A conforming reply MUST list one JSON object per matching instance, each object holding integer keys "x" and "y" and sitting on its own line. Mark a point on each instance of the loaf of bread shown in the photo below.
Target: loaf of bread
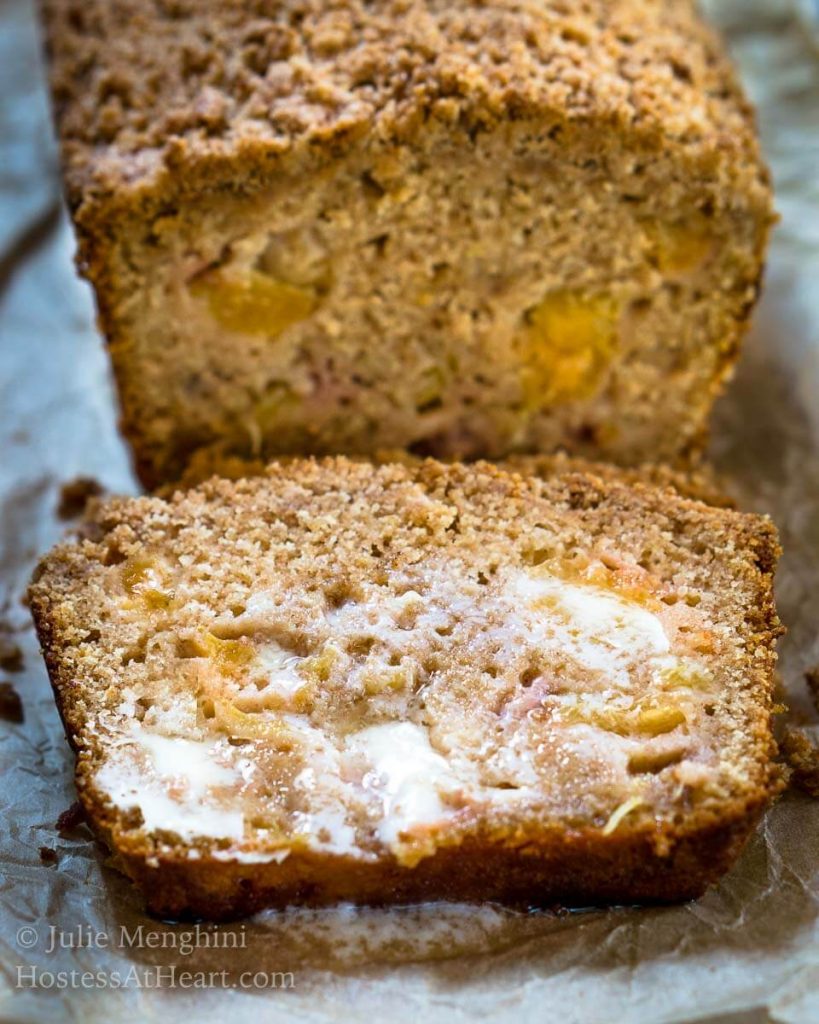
{"x": 336, "y": 681}
{"x": 462, "y": 229}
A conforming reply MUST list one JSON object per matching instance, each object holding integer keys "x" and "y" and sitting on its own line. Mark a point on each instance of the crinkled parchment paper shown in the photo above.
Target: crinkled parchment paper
{"x": 748, "y": 951}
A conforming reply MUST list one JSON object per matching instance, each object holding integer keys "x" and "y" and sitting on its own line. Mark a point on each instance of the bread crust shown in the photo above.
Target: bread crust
{"x": 548, "y": 869}
{"x": 536, "y": 864}
{"x": 145, "y": 91}
{"x": 698, "y": 481}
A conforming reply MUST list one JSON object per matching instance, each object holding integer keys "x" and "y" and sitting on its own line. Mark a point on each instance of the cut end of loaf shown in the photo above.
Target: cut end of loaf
{"x": 303, "y": 245}
{"x": 337, "y": 681}
{"x": 535, "y": 288}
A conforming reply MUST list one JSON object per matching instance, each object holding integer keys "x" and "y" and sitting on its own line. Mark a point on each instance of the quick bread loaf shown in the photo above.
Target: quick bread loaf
{"x": 463, "y": 229}
{"x": 335, "y": 681}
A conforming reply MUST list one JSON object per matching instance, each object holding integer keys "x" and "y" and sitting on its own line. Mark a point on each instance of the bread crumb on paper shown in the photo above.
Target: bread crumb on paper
{"x": 11, "y": 707}
{"x": 71, "y": 819}
{"x": 11, "y": 655}
{"x": 75, "y": 495}
{"x": 802, "y": 757}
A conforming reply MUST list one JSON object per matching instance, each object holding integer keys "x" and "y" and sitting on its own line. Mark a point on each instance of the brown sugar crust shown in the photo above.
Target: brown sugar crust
{"x": 346, "y": 526}
{"x": 698, "y": 481}
{"x": 190, "y": 87}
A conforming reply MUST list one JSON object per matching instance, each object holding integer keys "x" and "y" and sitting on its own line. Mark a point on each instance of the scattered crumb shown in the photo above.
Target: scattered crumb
{"x": 812, "y": 679}
{"x": 71, "y": 819}
{"x": 780, "y": 690}
{"x": 48, "y": 856}
{"x": 11, "y": 707}
{"x": 803, "y": 759}
{"x": 11, "y": 657}
{"x": 75, "y": 495}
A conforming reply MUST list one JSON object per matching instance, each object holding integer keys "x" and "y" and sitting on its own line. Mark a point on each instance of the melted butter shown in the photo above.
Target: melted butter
{"x": 326, "y": 828}
{"x": 280, "y": 666}
{"x": 387, "y": 778}
{"x": 599, "y": 629}
{"x": 406, "y": 774}
{"x": 596, "y": 615}
{"x": 190, "y": 761}
{"x": 173, "y": 790}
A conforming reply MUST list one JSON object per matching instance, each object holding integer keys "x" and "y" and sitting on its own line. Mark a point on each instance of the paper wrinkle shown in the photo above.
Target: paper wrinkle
{"x": 749, "y": 950}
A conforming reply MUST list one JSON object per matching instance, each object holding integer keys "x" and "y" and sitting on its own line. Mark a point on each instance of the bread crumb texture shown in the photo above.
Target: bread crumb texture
{"x": 340, "y": 681}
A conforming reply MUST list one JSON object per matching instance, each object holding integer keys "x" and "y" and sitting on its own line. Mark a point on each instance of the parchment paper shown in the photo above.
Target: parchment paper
{"x": 747, "y": 952}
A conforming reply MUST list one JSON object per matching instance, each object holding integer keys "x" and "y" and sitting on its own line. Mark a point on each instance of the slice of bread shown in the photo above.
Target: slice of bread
{"x": 465, "y": 229}
{"x": 339, "y": 681}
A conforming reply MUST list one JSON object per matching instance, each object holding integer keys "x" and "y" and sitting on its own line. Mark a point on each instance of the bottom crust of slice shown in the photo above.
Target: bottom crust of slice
{"x": 558, "y": 869}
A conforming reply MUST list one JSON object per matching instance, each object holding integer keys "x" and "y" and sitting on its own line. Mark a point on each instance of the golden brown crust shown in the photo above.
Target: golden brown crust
{"x": 564, "y": 868}
{"x": 150, "y": 93}
{"x": 649, "y": 860}
{"x": 698, "y": 481}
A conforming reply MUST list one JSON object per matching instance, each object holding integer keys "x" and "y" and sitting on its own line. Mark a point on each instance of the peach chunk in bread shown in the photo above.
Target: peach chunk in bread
{"x": 339, "y": 681}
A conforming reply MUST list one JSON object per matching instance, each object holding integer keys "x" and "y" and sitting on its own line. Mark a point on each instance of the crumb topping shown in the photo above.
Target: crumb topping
{"x": 144, "y": 86}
